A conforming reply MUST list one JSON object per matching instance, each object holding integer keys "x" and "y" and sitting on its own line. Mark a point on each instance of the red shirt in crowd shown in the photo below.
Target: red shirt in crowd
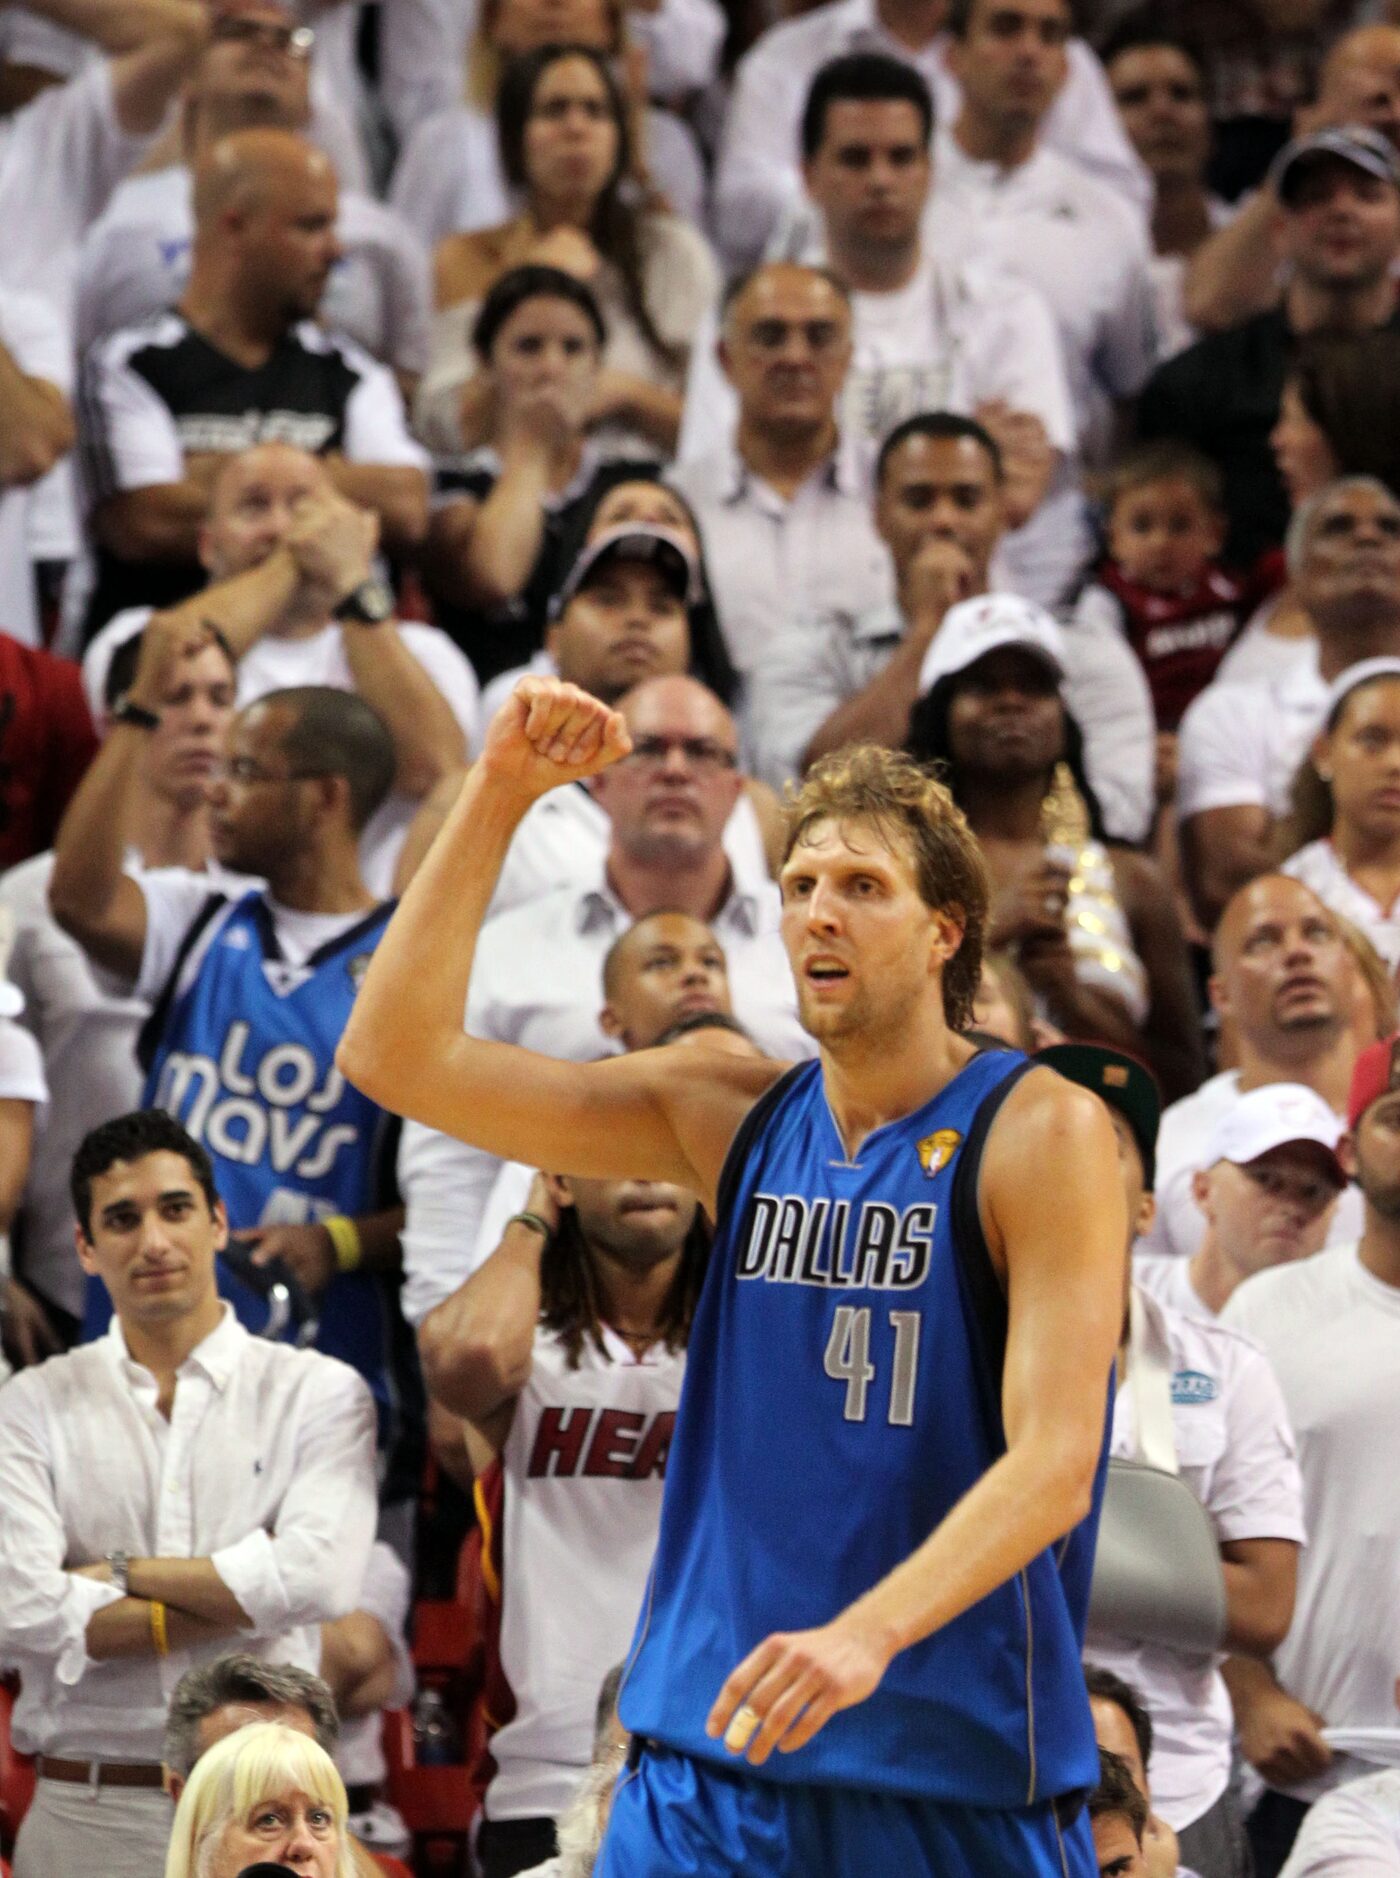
{"x": 47, "y": 740}
{"x": 1180, "y": 639}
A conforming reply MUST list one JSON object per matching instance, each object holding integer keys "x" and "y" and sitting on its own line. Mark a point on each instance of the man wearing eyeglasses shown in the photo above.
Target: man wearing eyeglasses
{"x": 785, "y": 518}
{"x": 538, "y": 977}
{"x": 255, "y": 72}
{"x": 250, "y": 991}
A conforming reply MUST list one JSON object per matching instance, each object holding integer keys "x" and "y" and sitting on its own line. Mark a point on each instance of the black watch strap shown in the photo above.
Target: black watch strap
{"x": 369, "y": 604}
{"x": 126, "y": 711}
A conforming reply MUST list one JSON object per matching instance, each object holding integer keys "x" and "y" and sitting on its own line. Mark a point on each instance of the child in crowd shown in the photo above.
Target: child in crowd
{"x": 1162, "y": 583}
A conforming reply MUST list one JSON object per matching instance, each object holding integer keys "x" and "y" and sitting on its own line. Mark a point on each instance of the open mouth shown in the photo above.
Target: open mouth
{"x": 825, "y": 972}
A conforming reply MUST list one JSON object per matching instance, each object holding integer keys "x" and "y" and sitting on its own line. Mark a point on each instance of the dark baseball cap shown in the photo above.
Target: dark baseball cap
{"x": 1364, "y": 149}
{"x": 660, "y": 548}
{"x": 1119, "y": 1080}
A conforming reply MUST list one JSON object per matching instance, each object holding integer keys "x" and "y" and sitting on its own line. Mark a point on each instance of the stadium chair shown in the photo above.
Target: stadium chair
{"x": 436, "y": 1803}
{"x": 393, "y": 1867}
{"x": 16, "y": 1773}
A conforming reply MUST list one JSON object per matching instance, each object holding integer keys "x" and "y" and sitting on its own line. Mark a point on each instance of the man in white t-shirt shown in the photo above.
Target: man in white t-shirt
{"x": 285, "y": 554}
{"x": 1200, "y": 1401}
{"x": 86, "y": 1025}
{"x": 1352, "y": 1832}
{"x": 136, "y": 259}
{"x": 929, "y": 333}
{"x": 758, "y": 180}
{"x": 1241, "y": 744}
{"x": 1267, "y": 1188}
{"x": 1330, "y": 1326}
{"x": 1284, "y": 982}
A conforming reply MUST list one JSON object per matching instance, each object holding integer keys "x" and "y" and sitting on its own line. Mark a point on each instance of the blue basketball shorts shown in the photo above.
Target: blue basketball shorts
{"x": 676, "y": 1817}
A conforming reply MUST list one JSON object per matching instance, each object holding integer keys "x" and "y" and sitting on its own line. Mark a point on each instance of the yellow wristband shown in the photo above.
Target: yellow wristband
{"x": 158, "y": 1632}
{"x": 345, "y": 1237}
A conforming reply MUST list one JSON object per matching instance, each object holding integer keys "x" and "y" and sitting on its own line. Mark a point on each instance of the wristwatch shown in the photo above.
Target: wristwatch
{"x": 127, "y": 711}
{"x": 369, "y": 604}
{"x": 120, "y": 1564}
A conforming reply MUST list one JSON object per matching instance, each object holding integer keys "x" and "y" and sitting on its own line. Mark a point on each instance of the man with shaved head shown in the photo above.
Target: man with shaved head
{"x": 283, "y": 550}
{"x": 786, "y": 524}
{"x": 239, "y": 361}
{"x": 539, "y": 973}
{"x": 1284, "y": 984}
{"x": 255, "y": 72}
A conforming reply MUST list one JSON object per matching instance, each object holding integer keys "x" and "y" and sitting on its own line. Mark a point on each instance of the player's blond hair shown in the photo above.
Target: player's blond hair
{"x": 911, "y": 810}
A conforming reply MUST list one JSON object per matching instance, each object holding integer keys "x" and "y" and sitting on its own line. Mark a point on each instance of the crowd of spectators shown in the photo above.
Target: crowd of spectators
{"x": 1012, "y": 382}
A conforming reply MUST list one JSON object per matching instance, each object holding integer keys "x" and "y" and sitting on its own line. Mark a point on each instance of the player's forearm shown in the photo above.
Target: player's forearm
{"x": 428, "y": 740}
{"x": 1036, "y": 1493}
{"x": 416, "y": 986}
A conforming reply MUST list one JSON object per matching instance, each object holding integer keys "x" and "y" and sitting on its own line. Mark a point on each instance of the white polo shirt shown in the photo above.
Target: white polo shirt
{"x": 275, "y": 664}
{"x": 759, "y": 178}
{"x": 1187, "y": 1126}
{"x": 1241, "y": 744}
{"x": 1332, "y": 1333}
{"x": 1236, "y": 1453}
{"x": 135, "y": 261}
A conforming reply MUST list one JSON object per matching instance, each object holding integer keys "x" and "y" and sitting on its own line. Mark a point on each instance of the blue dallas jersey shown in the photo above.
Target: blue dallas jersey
{"x": 842, "y": 1393}
{"x": 241, "y": 1050}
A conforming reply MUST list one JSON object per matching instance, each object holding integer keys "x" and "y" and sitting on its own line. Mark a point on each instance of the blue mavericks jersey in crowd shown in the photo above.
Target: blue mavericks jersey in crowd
{"x": 842, "y": 1393}
{"x": 243, "y": 1054}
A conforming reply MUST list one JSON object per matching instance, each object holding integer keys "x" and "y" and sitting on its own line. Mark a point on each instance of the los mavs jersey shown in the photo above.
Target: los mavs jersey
{"x": 240, "y": 1048}
{"x": 843, "y": 1392}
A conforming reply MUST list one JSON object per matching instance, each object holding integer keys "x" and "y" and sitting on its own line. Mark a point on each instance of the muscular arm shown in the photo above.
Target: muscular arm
{"x": 1222, "y": 849}
{"x": 428, "y": 741}
{"x": 36, "y": 426}
{"x": 650, "y": 1119}
{"x": 1261, "y": 1577}
{"x": 1060, "y": 1243}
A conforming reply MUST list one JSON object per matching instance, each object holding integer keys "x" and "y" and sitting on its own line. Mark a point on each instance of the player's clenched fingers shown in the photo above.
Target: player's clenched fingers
{"x": 811, "y": 1721}
{"x": 781, "y": 1713}
{"x": 737, "y": 1685}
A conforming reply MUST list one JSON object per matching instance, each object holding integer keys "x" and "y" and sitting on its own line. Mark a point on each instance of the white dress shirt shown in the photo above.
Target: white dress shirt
{"x": 1241, "y": 744}
{"x": 273, "y": 663}
{"x": 1187, "y": 1126}
{"x": 821, "y": 662}
{"x": 1235, "y": 1451}
{"x": 759, "y": 175}
{"x": 537, "y": 981}
{"x": 265, "y": 1467}
{"x": 777, "y": 560}
{"x": 135, "y": 261}
{"x": 1332, "y": 1333}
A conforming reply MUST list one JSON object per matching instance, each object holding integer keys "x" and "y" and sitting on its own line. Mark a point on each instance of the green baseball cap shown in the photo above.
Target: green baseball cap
{"x": 1122, "y": 1082}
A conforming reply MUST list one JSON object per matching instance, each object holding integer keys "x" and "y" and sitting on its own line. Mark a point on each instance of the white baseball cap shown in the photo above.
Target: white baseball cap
{"x": 973, "y": 628}
{"x": 1273, "y": 1117}
{"x": 1361, "y": 673}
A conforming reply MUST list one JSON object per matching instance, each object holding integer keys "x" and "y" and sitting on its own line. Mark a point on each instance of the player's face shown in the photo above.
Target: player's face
{"x": 153, "y": 1238}
{"x": 870, "y": 174}
{"x": 1272, "y": 1210}
{"x": 940, "y": 489}
{"x": 1161, "y": 100}
{"x": 1376, "y": 1151}
{"x": 196, "y": 708}
{"x": 254, "y": 504}
{"x": 627, "y": 624}
{"x": 1164, "y": 534}
{"x": 1286, "y": 972}
{"x": 787, "y": 344}
{"x": 865, "y": 950}
{"x": 639, "y": 1223}
{"x": 1117, "y": 1853}
{"x": 1011, "y": 60}
{"x": 666, "y": 967}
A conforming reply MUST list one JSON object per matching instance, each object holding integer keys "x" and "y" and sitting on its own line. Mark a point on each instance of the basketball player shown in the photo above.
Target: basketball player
{"x": 860, "y": 1650}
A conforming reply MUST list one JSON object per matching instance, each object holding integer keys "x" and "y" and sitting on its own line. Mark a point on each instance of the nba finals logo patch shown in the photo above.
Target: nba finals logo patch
{"x": 936, "y": 1150}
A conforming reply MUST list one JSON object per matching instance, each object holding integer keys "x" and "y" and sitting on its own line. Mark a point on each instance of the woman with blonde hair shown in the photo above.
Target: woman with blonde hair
{"x": 266, "y": 1793}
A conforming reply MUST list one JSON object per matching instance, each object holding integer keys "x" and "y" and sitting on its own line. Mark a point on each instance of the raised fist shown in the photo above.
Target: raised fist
{"x": 549, "y": 732}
